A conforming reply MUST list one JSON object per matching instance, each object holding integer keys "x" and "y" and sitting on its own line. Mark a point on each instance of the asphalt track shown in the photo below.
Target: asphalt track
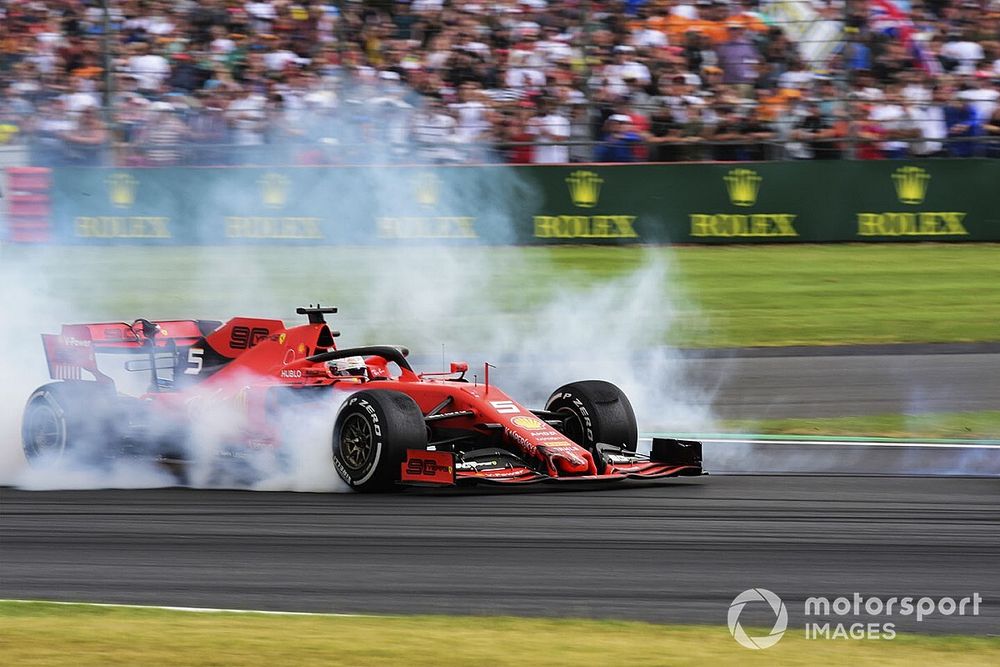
{"x": 780, "y": 383}
{"x": 832, "y": 386}
{"x": 759, "y": 387}
{"x": 671, "y": 552}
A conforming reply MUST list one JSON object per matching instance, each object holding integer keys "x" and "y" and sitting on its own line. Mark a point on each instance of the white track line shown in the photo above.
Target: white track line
{"x": 200, "y": 610}
{"x": 849, "y": 443}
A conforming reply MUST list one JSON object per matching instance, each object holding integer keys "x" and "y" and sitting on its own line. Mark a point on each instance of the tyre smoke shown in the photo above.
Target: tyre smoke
{"x": 540, "y": 328}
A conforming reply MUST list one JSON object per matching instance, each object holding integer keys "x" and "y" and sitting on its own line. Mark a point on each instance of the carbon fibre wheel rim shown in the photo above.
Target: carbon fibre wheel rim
{"x": 357, "y": 442}
{"x": 45, "y": 431}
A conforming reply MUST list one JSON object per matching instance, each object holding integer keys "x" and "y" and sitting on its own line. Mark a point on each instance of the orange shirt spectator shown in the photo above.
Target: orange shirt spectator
{"x": 671, "y": 25}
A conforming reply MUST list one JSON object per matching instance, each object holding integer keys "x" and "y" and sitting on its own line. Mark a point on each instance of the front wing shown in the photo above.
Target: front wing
{"x": 668, "y": 458}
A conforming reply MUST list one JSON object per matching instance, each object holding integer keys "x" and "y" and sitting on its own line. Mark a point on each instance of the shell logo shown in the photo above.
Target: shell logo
{"x": 530, "y": 423}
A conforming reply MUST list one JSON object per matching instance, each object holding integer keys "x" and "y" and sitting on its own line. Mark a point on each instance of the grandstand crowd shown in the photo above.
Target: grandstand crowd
{"x": 214, "y": 82}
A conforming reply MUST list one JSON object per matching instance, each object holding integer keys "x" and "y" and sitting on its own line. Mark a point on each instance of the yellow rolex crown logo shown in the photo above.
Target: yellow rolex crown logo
{"x": 584, "y": 188}
{"x": 911, "y": 184}
{"x": 426, "y": 187}
{"x": 121, "y": 189}
{"x": 274, "y": 190}
{"x": 743, "y": 186}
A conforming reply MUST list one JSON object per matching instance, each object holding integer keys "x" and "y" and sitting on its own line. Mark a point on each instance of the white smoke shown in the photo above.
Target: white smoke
{"x": 572, "y": 330}
{"x": 476, "y": 302}
{"x": 615, "y": 330}
{"x": 73, "y": 473}
{"x": 23, "y": 316}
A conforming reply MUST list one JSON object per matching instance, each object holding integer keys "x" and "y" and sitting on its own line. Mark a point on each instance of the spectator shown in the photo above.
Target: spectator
{"x": 961, "y": 53}
{"x": 867, "y": 134}
{"x": 580, "y": 136}
{"x": 744, "y": 132}
{"x": 150, "y": 69}
{"x": 516, "y": 135}
{"x": 666, "y": 134}
{"x": 992, "y": 130}
{"x": 549, "y": 127}
{"x": 819, "y": 132}
{"x": 310, "y": 80}
{"x": 208, "y": 130}
{"x": 981, "y": 94}
{"x": 960, "y": 119}
{"x": 619, "y": 140}
{"x": 896, "y": 122}
{"x": 162, "y": 137}
{"x": 83, "y": 95}
{"x": 85, "y": 143}
{"x": 738, "y": 57}
{"x": 929, "y": 118}
{"x": 51, "y": 125}
{"x": 247, "y": 117}
{"x": 434, "y": 132}
{"x": 10, "y": 127}
{"x": 797, "y": 76}
{"x": 473, "y": 119}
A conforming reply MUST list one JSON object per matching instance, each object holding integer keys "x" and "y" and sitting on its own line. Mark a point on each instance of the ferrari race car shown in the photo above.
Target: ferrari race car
{"x": 393, "y": 427}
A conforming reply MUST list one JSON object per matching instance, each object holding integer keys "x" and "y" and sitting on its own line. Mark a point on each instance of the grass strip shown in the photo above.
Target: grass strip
{"x": 706, "y": 296}
{"x": 52, "y": 635}
{"x": 982, "y": 425}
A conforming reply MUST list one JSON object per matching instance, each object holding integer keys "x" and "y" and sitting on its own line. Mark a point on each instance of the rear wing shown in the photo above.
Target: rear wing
{"x": 74, "y": 349}
{"x": 118, "y": 335}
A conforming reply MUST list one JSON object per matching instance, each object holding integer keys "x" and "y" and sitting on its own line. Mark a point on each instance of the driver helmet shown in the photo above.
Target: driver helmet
{"x": 349, "y": 366}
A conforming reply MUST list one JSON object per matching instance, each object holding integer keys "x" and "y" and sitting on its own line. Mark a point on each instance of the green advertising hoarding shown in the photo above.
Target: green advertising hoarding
{"x": 781, "y": 202}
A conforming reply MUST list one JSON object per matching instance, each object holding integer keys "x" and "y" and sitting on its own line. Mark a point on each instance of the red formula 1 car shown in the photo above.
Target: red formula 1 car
{"x": 394, "y": 426}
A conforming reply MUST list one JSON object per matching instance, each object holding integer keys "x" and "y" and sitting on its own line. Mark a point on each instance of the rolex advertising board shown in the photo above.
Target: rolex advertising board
{"x": 116, "y": 206}
{"x": 774, "y": 202}
{"x": 590, "y": 207}
{"x": 942, "y": 200}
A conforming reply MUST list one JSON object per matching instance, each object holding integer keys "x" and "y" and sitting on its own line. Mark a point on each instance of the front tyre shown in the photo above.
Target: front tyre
{"x": 595, "y": 412}
{"x": 370, "y": 438}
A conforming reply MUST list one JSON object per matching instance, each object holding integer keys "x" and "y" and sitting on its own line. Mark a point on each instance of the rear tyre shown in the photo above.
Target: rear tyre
{"x": 370, "y": 438}
{"x": 63, "y": 418}
{"x": 595, "y": 412}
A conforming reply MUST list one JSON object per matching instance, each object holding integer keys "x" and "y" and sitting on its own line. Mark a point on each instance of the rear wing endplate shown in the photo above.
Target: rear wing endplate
{"x": 70, "y": 353}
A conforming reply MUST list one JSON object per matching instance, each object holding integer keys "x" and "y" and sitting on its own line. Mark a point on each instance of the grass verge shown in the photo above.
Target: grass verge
{"x": 973, "y": 425}
{"x": 47, "y": 634}
{"x": 709, "y": 296}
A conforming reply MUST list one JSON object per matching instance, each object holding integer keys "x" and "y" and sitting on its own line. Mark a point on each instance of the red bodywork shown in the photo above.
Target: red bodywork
{"x": 239, "y": 363}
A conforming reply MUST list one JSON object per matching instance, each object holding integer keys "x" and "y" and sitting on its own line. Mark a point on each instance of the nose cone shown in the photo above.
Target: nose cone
{"x": 571, "y": 461}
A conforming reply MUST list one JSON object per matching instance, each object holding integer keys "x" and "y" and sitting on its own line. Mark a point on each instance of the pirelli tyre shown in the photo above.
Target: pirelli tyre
{"x": 595, "y": 412}
{"x": 70, "y": 418}
{"x": 371, "y": 435}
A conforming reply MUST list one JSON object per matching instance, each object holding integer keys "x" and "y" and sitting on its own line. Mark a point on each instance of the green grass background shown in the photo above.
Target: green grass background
{"x": 717, "y": 296}
{"x": 37, "y": 634}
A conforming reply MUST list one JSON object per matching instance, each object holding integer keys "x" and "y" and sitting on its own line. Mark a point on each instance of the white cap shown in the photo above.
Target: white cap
{"x": 620, "y": 118}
